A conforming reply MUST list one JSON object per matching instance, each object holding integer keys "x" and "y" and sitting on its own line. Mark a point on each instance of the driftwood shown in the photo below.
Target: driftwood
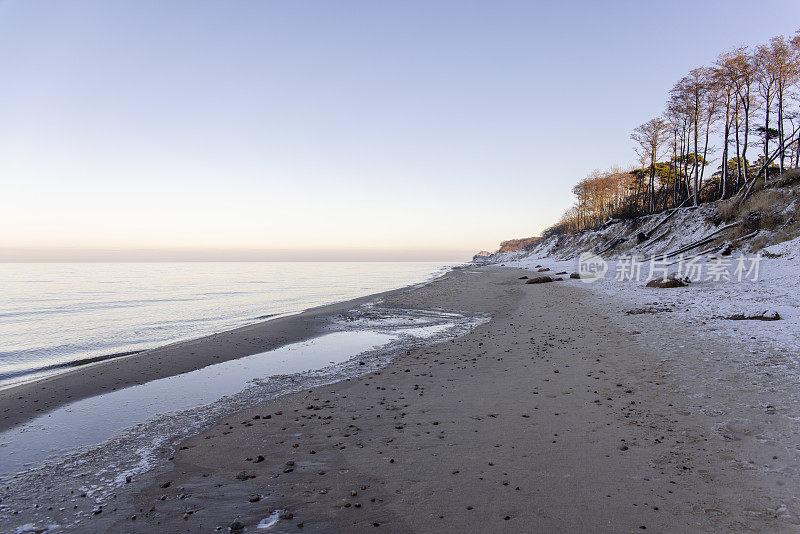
{"x": 787, "y": 223}
{"x": 613, "y": 244}
{"x": 695, "y": 244}
{"x": 748, "y": 236}
{"x": 620, "y": 240}
{"x": 706, "y": 251}
{"x": 703, "y": 241}
{"x": 713, "y": 249}
{"x": 672, "y": 211}
{"x": 665, "y": 219}
{"x": 651, "y": 241}
{"x": 747, "y": 190}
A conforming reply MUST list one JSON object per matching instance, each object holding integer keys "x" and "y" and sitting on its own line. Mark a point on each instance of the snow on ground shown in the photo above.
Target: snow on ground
{"x": 666, "y": 232}
{"x": 737, "y": 379}
{"x": 707, "y": 301}
{"x": 788, "y": 250}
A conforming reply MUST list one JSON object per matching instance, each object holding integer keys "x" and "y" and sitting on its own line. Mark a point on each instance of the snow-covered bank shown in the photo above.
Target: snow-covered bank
{"x": 706, "y": 302}
{"x": 644, "y": 237}
{"x": 742, "y": 259}
{"x": 769, "y": 216}
{"x": 739, "y": 378}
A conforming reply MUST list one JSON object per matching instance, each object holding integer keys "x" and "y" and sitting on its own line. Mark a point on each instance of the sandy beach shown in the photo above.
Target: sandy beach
{"x": 344, "y": 267}
{"x": 23, "y": 402}
{"x": 562, "y": 413}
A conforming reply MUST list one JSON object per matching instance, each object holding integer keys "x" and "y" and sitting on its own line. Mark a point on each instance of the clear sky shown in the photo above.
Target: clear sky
{"x": 379, "y": 129}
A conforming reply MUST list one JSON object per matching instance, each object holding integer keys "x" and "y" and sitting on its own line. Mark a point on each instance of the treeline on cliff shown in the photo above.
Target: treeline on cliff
{"x": 525, "y": 243}
{"x": 739, "y": 116}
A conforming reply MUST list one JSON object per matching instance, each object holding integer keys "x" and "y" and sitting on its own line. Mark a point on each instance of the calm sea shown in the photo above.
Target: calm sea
{"x": 54, "y": 315}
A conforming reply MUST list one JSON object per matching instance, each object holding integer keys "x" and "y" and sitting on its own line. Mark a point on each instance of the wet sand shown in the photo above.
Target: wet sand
{"x": 554, "y": 416}
{"x": 21, "y": 403}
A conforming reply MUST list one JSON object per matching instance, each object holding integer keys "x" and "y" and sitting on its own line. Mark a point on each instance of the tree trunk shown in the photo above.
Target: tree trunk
{"x": 653, "y": 181}
{"x": 766, "y": 141}
{"x": 685, "y": 159}
{"x": 705, "y": 151}
{"x": 797, "y": 153}
{"x": 738, "y": 153}
{"x": 746, "y": 107}
{"x": 724, "y": 177}
{"x": 696, "y": 135}
{"x": 780, "y": 124}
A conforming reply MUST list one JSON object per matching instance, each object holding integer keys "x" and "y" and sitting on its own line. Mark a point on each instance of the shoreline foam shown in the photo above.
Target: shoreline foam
{"x": 562, "y": 413}
{"x": 24, "y": 401}
{"x": 83, "y": 319}
{"x": 136, "y": 444}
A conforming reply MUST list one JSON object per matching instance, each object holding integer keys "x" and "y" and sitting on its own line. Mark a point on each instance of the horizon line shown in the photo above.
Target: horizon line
{"x": 219, "y": 255}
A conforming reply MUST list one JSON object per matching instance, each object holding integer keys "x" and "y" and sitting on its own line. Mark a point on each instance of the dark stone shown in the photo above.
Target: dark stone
{"x": 660, "y": 283}
{"x": 649, "y": 309}
{"x": 763, "y": 316}
{"x": 539, "y": 280}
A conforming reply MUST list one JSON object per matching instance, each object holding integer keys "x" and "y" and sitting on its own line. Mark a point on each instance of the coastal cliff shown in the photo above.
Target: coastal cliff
{"x": 769, "y": 217}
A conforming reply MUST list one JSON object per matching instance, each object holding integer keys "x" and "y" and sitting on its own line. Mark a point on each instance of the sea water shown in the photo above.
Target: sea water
{"x": 54, "y": 316}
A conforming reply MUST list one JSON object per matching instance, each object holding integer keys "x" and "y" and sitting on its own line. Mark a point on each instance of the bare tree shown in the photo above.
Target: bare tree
{"x": 708, "y": 106}
{"x": 744, "y": 77}
{"x": 680, "y": 111}
{"x": 651, "y": 138}
{"x": 674, "y": 118}
{"x": 693, "y": 86}
{"x": 766, "y": 76}
{"x": 724, "y": 92}
{"x": 725, "y": 98}
{"x": 795, "y": 42}
{"x": 782, "y": 60}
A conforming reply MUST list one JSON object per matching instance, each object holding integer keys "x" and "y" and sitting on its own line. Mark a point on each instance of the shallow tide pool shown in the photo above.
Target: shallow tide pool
{"x": 93, "y": 420}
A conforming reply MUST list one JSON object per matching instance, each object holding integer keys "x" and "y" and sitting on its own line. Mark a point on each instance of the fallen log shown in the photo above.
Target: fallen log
{"x": 650, "y": 242}
{"x": 613, "y": 244}
{"x": 748, "y": 189}
{"x": 695, "y": 244}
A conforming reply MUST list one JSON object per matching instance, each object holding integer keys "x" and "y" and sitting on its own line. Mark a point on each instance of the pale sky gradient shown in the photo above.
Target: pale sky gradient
{"x": 434, "y": 129}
